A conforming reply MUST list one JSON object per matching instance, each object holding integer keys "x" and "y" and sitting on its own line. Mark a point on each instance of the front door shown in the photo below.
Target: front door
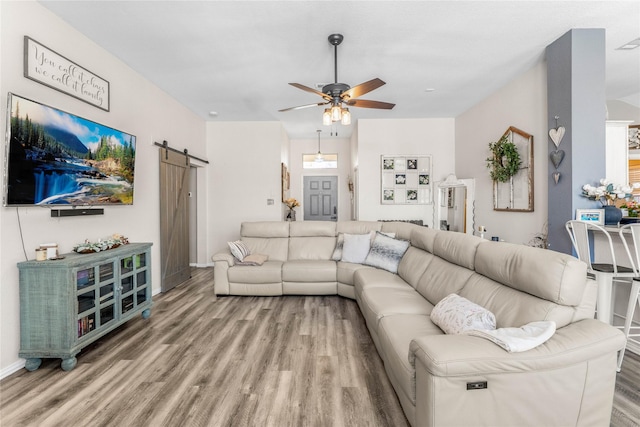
{"x": 320, "y": 198}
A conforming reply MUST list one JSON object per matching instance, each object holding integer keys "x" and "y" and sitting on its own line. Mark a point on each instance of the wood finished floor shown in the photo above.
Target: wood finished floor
{"x": 234, "y": 361}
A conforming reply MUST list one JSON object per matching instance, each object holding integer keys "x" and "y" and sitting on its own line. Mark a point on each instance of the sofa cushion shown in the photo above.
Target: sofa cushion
{"x": 370, "y": 277}
{"x": 346, "y": 271}
{"x": 413, "y": 265}
{"x": 423, "y": 238}
{"x": 455, "y": 315}
{"x": 269, "y": 272}
{"x": 386, "y": 252}
{"x": 402, "y": 230}
{"x": 514, "y": 308}
{"x": 358, "y": 227}
{"x": 378, "y": 302}
{"x": 442, "y": 278}
{"x": 276, "y": 248}
{"x": 311, "y": 248}
{"x": 309, "y": 271}
{"x": 265, "y": 229}
{"x": 457, "y": 248}
{"x": 356, "y": 247}
{"x": 312, "y": 229}
{"x": 547, "y": 274}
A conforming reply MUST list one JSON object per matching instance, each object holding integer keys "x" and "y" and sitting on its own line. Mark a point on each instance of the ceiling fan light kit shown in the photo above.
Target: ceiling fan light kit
{"x": 336, "y": 94}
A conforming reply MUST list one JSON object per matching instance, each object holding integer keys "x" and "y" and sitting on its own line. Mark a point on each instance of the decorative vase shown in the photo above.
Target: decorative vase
{"x": 291, "y": 215}
{"x": 612, "y": 215}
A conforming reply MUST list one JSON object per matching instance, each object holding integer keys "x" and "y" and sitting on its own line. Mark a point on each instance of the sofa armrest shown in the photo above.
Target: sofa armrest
{"x": 454, "y": 355}
{"x": 224, "y": 256}
{"x": 222, "y": 261}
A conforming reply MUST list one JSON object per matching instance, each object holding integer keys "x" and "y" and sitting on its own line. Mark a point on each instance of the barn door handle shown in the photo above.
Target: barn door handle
{"x": 335, "y": 211}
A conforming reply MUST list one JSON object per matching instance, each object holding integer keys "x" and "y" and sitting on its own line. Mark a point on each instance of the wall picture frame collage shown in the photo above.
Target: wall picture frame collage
{"x": 406, "y": 179}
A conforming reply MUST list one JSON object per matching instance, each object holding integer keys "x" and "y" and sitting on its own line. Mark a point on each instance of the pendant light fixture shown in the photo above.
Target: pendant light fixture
{"x": 319, "y": 156}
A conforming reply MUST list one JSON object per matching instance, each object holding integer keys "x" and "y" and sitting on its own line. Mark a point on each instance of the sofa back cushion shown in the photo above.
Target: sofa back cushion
{"x": 358, "y": 227}
{"x": 423, "y": 238}
{"x": 544, "y": 273}
{"x": 402, "y": 230}
{"x": 457, "y": 248}
{"x": 267, "y": 237}
{"x": 413, "y": 264}
{"x": 513, "y": 308}
{"x": 522, "y": 284}
{"x": 312, "y": 240}
{"x": 442, "y": 278}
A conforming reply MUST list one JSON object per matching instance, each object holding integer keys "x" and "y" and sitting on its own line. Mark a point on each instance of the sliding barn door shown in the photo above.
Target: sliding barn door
{"x": 174, "y": 218}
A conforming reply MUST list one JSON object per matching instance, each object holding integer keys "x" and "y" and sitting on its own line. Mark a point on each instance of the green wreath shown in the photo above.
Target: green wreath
{"x": 504, "y": 161}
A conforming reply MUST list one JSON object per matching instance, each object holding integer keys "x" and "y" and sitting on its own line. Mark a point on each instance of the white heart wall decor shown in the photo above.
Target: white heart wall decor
{"x": 556, "y": 135}
{"x": 556, "y": 177}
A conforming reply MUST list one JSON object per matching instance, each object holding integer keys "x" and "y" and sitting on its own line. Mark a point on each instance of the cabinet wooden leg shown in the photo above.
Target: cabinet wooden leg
{"x": 69, "y": 364}
{"x": 32, "y": 364}
{"x": 146, "y": 313}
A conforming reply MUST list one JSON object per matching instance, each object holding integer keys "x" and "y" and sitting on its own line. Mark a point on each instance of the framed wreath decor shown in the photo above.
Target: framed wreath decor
{"x": 505, "y": 160}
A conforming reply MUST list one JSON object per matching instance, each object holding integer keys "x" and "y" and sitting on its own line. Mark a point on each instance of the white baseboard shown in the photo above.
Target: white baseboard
{"x": 198, "y": 265}
{"x": 14, "y": 367}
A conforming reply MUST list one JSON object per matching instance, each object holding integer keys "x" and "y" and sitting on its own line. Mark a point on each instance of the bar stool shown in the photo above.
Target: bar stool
{"x": 634, "y": 258}
{"x": 604, "y": 274}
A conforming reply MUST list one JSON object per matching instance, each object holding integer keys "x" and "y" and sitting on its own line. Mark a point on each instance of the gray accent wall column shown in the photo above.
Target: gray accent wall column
{"x": 576, "y": 94}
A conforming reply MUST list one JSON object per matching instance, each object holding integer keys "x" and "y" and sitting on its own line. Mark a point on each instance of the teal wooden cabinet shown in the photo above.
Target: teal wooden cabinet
{"x": 67, "y": 304}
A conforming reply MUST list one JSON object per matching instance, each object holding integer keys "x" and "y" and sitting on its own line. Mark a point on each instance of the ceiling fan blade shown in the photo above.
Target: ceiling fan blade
{"x": 365, "y": 103}
{"x": 361, "y": 89}
{"x": 308, "y": 89}
{"x": 300, "y": 107}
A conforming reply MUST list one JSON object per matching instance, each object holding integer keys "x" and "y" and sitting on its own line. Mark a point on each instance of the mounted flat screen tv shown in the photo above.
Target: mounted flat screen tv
{"x": 56, "y": 158}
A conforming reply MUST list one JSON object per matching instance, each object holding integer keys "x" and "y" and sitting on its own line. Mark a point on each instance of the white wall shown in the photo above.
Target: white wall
{"x": 523, "y": 104}
{"x": 137, "y": 107}
{"x": 435, "y": 137}
{"x": 619, "y": 110}
{"x": 328, "y": 145}
{"x": 245, "y": 173}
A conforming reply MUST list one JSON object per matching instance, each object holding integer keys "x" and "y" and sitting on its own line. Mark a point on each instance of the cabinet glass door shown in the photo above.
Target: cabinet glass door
{"x": 95, "y": 297}
{"x": 133, "y": 282}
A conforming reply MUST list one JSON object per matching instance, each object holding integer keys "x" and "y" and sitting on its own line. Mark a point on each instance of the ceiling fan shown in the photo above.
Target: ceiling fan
{"x": 336, "y": 94}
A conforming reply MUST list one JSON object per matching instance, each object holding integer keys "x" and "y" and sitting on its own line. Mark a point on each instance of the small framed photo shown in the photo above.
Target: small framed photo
{"x": 594, "y": 216}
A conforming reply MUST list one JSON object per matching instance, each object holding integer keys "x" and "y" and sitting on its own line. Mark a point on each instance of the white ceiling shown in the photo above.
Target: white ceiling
{"x": 237, "y": 57}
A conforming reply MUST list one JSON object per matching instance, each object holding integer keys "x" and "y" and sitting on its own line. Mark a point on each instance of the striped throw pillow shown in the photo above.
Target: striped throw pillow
{"x": 239, "y": 249}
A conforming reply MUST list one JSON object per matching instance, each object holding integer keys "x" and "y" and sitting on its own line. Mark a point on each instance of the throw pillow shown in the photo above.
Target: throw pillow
{"x": 455, "y": 314}
{"x": 337, "y": 252}
{"x": 386, "y": 252}
{"x": 254, "y": 259}
{"x": 356, "y": 247}
{"x": 239, "y": 249}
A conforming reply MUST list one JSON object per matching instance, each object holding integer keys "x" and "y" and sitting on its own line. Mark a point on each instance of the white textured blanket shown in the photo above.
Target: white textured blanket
{"x": 524, "y": 338}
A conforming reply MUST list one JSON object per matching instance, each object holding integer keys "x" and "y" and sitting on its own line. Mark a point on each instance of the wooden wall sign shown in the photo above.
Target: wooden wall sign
{"x": 51, "y": 69}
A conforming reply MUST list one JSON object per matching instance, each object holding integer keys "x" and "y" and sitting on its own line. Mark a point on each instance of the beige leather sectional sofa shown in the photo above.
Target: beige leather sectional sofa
{"x": 452, "y": 380}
